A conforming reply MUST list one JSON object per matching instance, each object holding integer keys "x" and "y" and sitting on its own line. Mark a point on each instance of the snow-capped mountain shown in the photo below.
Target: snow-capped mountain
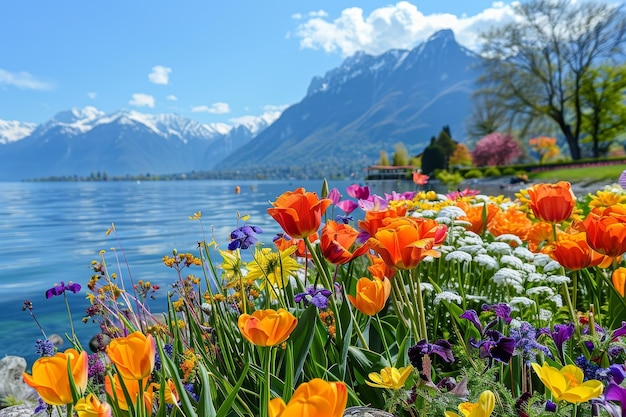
{"x": 368, "y": 104}
{"x": 83, "y": 141}
{"x": 12, "y": 130}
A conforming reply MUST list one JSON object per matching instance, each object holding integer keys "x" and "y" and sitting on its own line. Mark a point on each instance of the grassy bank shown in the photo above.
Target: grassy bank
{"x": 584, "y": 175}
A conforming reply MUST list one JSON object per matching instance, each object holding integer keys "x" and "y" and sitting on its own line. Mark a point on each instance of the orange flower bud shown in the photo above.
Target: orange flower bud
{"x": 371, "y": 295}
{"x": 267, "y": 327}
{"x": 51, "y": 380}
{"x": 299, "y": 213}
{"x": 606, "y": 228}
{"x": 552, "y": 203}
{"x": 133, "y": 355}
{"x": 316, "y": 398}
{"x": 91, "y": 406}
{"x": 337, "y": 238}
{"x": 619, "y": 280}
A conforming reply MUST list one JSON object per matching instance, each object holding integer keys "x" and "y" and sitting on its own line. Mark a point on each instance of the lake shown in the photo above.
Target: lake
{"x": 50, "y": 232}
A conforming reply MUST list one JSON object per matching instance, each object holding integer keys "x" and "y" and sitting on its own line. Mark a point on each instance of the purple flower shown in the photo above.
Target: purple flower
{"x": 472, "y": 316}
{"x": 502, "y": 311}
{"x": 243, "y": 237}
{"x": 620, "y": 331}
{"x": 358, "y": 192}
{"x": 395, "y": 196}
{"x": 440, "y": 347}
{"x": 550, "y": 407}
{"x": 525, "y": 337}
{"x": 616, "y": 393}
{"x": 45, "y": 347}
{"x": 348, "y": 206}
{"x": 59, "y": 289}
{"x": 317, "y": 297}
{"x": 495, "y": 346}
{"x": 334, "y": 195}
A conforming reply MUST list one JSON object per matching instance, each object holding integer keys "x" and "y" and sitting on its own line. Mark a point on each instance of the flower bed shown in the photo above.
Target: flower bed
{"x": 430, "y": 305}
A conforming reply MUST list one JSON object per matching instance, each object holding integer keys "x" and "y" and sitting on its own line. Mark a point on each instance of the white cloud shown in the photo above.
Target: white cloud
{"x": 319, "y": 13}
{"x": 215, "y": 108}
{"x": 171, "y": 97}
{"x": 396, "y": 26}
{"x": 142, "y": 100}
{"x": 23, "y": 80}
{"x": 92, "y": 95}
{"x": 296, "y": 16}
{"x": 160, "y": 75}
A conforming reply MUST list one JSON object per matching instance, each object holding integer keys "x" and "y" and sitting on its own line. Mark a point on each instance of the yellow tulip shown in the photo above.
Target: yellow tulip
{"x": 567, "y": 383}
{"x": 619, "y": 280}
{"x": 51, "y": 380}
{"x": 267, "y": 327}
{"x": 133, "y": 355}
{"x": 91, "y": 406}
{"x": 115, "y": 391}
{"x": 483, "y": 408}
{"x": 390, "y": 377}
{"x": 316, "y": 398}
{"x": 371, "y": 295}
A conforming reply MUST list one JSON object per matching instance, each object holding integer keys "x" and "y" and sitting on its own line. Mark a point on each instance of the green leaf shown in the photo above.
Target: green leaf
{"x": 302, "y": 338}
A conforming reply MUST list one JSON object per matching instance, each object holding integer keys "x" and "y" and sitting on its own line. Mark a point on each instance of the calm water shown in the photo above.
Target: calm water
{"x": 50, "y": 232}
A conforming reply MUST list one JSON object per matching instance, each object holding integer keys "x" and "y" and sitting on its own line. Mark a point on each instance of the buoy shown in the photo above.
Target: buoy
{"x": 237, "y": 189}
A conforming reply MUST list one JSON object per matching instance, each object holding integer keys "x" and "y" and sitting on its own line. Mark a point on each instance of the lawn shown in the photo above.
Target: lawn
{"x": 587, "y": 175}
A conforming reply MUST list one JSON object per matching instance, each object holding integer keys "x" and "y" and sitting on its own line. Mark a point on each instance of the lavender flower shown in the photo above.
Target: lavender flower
{"x": 59, "y": 289}
{"x": 526, "y": 344}
{"x": 45, "y": 347}
{"x": 312, "y": 295}
{"x": 243, "y": 237}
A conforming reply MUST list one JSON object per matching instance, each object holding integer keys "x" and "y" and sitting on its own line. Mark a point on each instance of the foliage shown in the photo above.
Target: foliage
{"x": 384, "y": 159}
{"x": 496, "y": 149}
{"x": 546, "y": 147}
{"x": 536, "y": 66}
{"x": 492, "y": 172}
{"x": 461, "y": 156}
{"x": 433, "y": 158}
{"x": 400, "y": 155}
{"x": 450, "y": 179}
{"x": 429, "y": 305}
{"x": 473, "y": 173}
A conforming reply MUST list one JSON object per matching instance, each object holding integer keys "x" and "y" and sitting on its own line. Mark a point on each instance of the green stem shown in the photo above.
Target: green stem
{"x": 69, "y": 314}
{"x": 264, "y": 402}
{"x": 382, "y": 336}
{"x": 406, "y": 301}
{"x": 420, "y": 306}
{"x": 69, "y": 409}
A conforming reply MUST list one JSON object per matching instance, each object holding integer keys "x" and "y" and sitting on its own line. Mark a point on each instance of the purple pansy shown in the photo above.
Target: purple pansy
{"x": 440, "y": 347}
{"x": 316, "y": 296}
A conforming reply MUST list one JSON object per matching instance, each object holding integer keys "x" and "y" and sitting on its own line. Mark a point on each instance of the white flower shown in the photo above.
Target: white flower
{"x": 512, "y": 261}
{"x": 471, "y": 248}
{"x": 529, "y": 268}
{"x": 486, "y": 260}
{"x": 535, "y": 277}
{"x": 448, "y": 296}
{"x": 446, "y": 249}
{"x": 471, "y": 297}
{"x": 541, "y": 259}
{"x": 499, "y": 248}
{"x": 558, "y": 279}
{"x": 459, "y": 256}
{"x": 508, "y": 276}
{"x": 509, "y": 238}
{"x": 429, "y": 213}
{"x": 428, "y": 259}
{"x": 545, "y": 315}
{"x": 557, "y": 300}
{"x": 524, "y": 301}
{"x": 426, "y": 287}
{"x": 471, "y": 238}
{"x": 552, "y": 266}
{"x": 452, "y": 212}
{"x": 444, "y": 220}
{"x": 541, "y": 290}
{"x": 523, "y": 253}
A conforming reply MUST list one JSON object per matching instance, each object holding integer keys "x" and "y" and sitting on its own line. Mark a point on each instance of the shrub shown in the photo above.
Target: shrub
{"x": 492, "y": 172}
{"x": 474, "y": 173}
{"x": 496, "y": 149}
{"x": 509, "y": 171}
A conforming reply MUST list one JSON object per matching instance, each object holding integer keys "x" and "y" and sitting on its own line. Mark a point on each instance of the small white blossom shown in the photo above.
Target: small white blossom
{"x": 428, "y": 259}
{"x": 429, "y": 213}
{"x": 471, "y": 238}
{"x": 446, "y": 249}
{"x": 541, "y": 290}
{"x": 476, "y": 298}
{"x": 462, "y": 223}
{"x": 558, "y": 279}
{"x": 471, "y": 248}
{"x": 444, "y": 220}
{"x": 545, "y": 315}
{"x": 459, "y": 256}
{"x": 535, "y": 277}
{"x": 509, "y": 238}
{"x": 486, "y": 260}
{"x": 452, "y": 212}
{"x": 512, "y": 261}
{"x": 523, "y": 253}
{"x": 426, "y": 287}
{"x": 541, "y": 259}
{"x": 552, "y": 266}
{"x": 524, "y": 301}
{"x": 557, "y": 300}
{"x": 508, "y": 276}
{"x": 499, "y": 248}
{"x": 448, "y": 296}
{"x": 529, "y": 268}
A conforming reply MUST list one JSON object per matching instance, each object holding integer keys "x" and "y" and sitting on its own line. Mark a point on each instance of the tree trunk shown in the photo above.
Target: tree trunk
{"x": 572, "y": 141}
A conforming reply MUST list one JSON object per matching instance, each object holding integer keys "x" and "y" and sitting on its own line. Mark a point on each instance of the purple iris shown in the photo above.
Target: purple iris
{"x": 440, "y": 347}
{"x": 315, "y": 296}
{"x": 243, "y": 237}
{"x": 616, "y": 393}
{"x": 502, "y": 311}
{"x": 495, "y": 346}
{"x": 59, "y": 289}
{"x": 472, "y": 316}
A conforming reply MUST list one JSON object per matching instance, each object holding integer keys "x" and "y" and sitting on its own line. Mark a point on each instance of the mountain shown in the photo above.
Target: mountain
{"x": 368, "y": 104}
{"x": 12, "y": 130}
{"x": 85, "y": 141}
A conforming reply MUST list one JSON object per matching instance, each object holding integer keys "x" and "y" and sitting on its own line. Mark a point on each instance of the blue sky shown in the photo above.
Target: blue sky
{"x": 213, "y": 61}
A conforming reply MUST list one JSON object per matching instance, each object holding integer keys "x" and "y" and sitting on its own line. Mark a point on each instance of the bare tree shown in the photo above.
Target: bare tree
{"x": 535, "y": 65}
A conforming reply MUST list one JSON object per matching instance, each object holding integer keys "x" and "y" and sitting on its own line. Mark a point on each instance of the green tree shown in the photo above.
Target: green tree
{"x": 447, "y": 145}
{"x": 400, "y": 155}
{"x": 384, "y": 159}
{"x": 536, "y": 65}
{"x": 433, "y": 158}
{"x": 603, "y": 91}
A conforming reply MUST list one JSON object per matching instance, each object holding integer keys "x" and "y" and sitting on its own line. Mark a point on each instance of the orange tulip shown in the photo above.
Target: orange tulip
{"x": 619, "y": 280}
{"x": 371, "y": 295}
{"x": 299, "y": 213}
{"x": 374, "y": 218}
{"x": 116, "y": 392}
{"x": 606, "y": 229}
{"x": 510, "y": 221}
{"x": 133, "y": 355}
{"x": 552, "y": 203}
{"x": 316, "y": 398}
{"x": 404, "y": 242}
{"x": 573, "y": 252}
{"x": 267, "y": 327}
{"x": 91, "y": 406}
{"x": 379, "y": 269}
{"x": 337, "y": 238}
{"x": 540, "y": 237}
{"x": 51, "y": 380}
{"x": 479, "y": 215}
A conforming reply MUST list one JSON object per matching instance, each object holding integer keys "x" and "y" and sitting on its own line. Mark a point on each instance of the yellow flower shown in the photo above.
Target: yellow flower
{"x": 273, "y": 267}
{"x": 133, "y": 355}
{"x": 389, "y": 377}
{"x": 483, "y": 408}
{"x": 267, "y": 327}
{"x": 316, "y": 398}
{"x": 91, "y": 406}
{"x": 567, "y": 383}
{"x": 607, "y": 198}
